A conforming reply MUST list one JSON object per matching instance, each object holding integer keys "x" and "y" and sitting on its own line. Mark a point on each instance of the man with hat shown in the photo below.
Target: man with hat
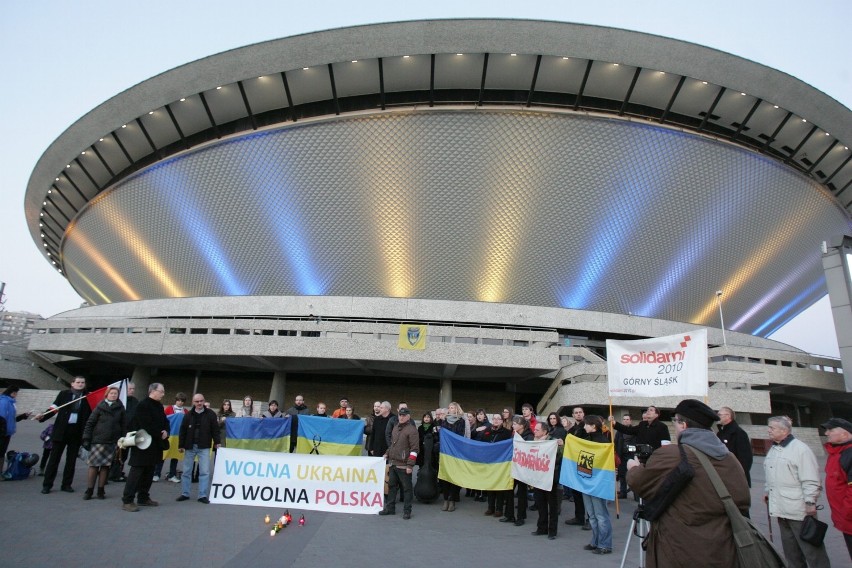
{"x": 401, "y": 456}
{"x": 838, "y": 476}
{"x": 694, "y": 528}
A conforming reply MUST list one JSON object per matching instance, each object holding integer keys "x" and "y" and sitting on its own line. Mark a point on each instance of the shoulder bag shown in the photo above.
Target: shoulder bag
{"x": 752, "y": 547}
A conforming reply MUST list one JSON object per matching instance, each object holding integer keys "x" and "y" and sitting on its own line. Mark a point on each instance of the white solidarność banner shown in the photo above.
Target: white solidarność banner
{"x": 340, "y": 484}
{"x": 534, "y": 462}
{"x": 675, "y": 365}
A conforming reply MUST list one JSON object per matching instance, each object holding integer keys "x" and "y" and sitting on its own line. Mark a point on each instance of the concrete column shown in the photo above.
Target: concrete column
{"x": 279, "y": 381}
{"x": 446, "y": 395}
{"x": 141, "y": 379}
{"x": 837, "y": 265}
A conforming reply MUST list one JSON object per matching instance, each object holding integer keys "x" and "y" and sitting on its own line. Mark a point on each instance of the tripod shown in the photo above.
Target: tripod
{"x": 638, "y": 527}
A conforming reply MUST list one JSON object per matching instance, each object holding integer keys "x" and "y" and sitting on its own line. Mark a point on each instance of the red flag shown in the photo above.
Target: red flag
{"x": 95, "y": 397}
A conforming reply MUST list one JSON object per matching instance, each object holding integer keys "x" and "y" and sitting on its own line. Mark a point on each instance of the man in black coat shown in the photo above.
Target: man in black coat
{"x": 67, "y": 433}
{"x": 735, "y": 439}
{"x": 650, "y": 431}
{"x": 151, "y": 417}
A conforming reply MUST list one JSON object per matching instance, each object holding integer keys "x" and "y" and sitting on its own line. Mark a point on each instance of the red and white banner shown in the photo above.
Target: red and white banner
{"x": 340, "y": 484}
{"x": 675, "y": 365}
{"x": 534, "y": 462}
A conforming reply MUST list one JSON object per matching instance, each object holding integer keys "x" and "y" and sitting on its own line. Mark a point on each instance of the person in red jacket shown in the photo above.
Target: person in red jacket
{"x": 838, "y": 476}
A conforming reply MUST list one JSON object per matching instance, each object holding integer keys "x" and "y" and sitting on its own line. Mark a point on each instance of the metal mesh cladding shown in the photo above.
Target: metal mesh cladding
{"x": 528, "y": 208}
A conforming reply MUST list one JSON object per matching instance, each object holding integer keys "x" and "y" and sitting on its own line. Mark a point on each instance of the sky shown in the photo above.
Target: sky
{"x": 60, "y": 59}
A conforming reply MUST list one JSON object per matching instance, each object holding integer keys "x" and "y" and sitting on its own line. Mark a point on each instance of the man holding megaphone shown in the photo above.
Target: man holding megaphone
{"x": 145, "y": 454}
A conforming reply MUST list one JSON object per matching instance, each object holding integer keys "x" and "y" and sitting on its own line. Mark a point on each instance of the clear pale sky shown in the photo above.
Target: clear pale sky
{"x": 60, "y": 59}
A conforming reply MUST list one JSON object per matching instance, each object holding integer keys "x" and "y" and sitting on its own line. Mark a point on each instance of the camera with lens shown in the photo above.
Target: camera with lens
{"x": 641, "y": 451}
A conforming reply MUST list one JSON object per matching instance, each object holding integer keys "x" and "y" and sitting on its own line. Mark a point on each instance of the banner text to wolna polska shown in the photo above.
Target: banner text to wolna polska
{"x": 341, "y": 484}
{"x": 675, "y": 365}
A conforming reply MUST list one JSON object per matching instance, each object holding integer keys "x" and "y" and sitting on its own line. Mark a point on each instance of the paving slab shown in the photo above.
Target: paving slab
{"x": 60, "y": 529}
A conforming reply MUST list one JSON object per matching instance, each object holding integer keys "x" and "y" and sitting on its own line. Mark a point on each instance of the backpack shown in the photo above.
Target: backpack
{"x": 753, "y": 550}
{"x": 19, "y": 465}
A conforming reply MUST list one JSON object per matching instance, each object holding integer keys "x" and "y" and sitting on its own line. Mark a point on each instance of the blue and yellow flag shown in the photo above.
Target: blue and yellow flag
{"x": 174, "y": 433}
{"x": 329, "y": 436}
{"x": 475, "y": 465}
{"x": 412, "y": 337}
{"x": 589, "y": 467}
{"x": 264, "y": 434}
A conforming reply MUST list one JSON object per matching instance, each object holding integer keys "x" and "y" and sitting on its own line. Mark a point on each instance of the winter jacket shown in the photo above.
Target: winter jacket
{"x": 151, "y": 417}
{"x": 7, "y": 412}
{"x": 838, "y": 485}
{"x": 107, "y": 423}
{"x": 792, "y": 477}
{"x": 694, "y": 530}
{"x": 493, "y": 434}
{"x": 652, "y": 433}
{"x": 63, "y": 431}
{"x": 294, "y": 410}
{"x": 738, "y": 443}
{"x": 405, "y": 444}
{"x": 199, "y": 429}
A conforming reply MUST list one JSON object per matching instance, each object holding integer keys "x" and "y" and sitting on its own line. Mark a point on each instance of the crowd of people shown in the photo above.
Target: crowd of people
{"x": 646, "y": 461}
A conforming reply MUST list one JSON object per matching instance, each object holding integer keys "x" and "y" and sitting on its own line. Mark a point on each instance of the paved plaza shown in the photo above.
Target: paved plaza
{"x": 60, "y": 529}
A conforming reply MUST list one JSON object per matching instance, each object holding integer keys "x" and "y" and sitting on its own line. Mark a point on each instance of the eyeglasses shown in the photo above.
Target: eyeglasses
{"x": 678, "y": 420}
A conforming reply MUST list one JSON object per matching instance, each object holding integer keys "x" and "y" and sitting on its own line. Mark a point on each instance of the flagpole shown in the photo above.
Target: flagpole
{"x": 49, "y": 410}
{"x": 615, "y": 465}
{"x": 86, "y": 396}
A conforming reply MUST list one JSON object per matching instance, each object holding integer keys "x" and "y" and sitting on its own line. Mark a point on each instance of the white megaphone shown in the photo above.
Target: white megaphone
{"x": 139, "y": 439}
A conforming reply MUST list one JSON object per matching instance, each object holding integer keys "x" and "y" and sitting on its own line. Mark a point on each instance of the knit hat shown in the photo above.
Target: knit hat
{"x": 697, "y": 411}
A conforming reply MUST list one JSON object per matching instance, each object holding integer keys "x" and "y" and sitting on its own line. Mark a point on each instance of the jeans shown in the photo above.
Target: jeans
{"x": 203, "y": 455}
{"x": 399, "y": 478}
{"x": 599, "y": 519}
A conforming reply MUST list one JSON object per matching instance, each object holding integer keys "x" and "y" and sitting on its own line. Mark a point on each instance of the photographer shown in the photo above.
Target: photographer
{"x": 693, "y": 528}
{"x": 650, "y": 431}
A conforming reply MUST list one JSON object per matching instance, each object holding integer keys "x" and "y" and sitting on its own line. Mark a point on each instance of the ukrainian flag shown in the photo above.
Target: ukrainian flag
{"x": 263, "y": 434}
{"x": 174, "y": 434}
{"x": 588, "y": 467}
{"x": 474, "y": 464}
{"x": 329, "y": 436}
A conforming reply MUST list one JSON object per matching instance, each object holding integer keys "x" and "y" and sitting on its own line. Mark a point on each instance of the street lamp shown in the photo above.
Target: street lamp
{"x": 721, "y": 318}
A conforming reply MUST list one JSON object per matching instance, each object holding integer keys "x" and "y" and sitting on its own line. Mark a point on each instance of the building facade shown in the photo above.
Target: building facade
{"x": 523, "y": 189}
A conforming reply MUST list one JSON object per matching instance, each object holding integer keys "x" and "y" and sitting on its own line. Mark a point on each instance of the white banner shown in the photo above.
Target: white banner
{"x": 534, "y": 462}
{"x": 663, "y": 366}
{"x": 340, "y": 484}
